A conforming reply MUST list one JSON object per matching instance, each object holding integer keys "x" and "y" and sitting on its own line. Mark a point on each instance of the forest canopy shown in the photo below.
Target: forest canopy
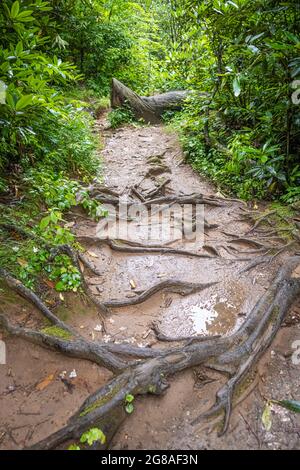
{"x": 244, "y": 133}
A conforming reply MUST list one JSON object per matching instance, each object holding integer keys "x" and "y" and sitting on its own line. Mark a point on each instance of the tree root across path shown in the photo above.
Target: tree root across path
{"x": 235, "y": 355}
{"x": 126, "y": 246}
{"x": 174, "y": 286}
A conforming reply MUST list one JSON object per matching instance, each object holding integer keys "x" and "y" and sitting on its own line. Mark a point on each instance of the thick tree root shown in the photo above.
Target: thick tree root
{"x": 72, "y": 346}
{"x": 160, "y": 188}
{"x": 66, "y": 339}
{"x": 170, "y": 339}
{"x": 182, "y": 199}
{"x": 131, "y": 247}
{"x": 34, "y": 299}
{"x": 235, "y": 354}
{"x": 187, "y": 199}
{"x": 89, "y": 265}
{"x": 174, "y": 286}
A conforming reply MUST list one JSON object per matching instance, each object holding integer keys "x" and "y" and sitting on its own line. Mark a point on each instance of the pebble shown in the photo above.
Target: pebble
{"x": 98, "y": 328}
{"x": 73, "y": 374}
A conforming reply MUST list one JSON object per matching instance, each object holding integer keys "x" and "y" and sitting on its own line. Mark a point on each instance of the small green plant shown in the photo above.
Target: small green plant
{"x": 118, "y": 117}
{"x": 51, "y": 229}
{"x": 90, "y": 437}
{"x": 91, "y": 206}
{"x": 93, "y": 435}
{"x": 129, "y": 403}
{"x": 62, "y": 271}
{"x": 61, "y": 192}
{"x": 74, "y": 447}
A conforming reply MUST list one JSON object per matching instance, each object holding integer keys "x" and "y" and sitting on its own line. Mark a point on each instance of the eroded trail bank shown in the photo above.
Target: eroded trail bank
{"x": 154, "y": 298}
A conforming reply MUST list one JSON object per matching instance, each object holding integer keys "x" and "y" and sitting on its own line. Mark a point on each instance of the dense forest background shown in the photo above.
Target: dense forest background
{"x": 243, "y": 54}
{"x": 57, "y": 61}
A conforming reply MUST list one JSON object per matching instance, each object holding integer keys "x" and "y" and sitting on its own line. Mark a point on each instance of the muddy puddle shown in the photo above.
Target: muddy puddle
{"x": 214, "y": 314}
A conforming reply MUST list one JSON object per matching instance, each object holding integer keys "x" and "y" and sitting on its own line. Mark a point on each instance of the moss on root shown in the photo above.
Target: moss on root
{"x": 101, "y": 401}
{"x": 57, "y": 332}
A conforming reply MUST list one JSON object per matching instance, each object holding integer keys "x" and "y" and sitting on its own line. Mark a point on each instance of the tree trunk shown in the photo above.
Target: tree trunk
{"x": 148, "y": 108}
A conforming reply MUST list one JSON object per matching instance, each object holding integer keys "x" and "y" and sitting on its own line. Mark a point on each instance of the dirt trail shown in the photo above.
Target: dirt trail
{"x": 148, "y": 156}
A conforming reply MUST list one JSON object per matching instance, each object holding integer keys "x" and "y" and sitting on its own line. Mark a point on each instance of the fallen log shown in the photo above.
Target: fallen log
{"x": 149, "y": 108}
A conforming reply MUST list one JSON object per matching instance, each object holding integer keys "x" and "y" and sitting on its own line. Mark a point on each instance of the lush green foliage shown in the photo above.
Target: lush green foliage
{"x": 244, "y": 132}
{"x": 120, "y": 116}
{"x": 45, "y": 139}
{"x": 90, "y": 437}
{"x": 40, "y": 217}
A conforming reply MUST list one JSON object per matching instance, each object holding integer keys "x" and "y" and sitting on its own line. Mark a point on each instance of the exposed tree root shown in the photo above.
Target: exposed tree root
{"x": 169, "y": 339}
{"x": 182, "y": 199}
{"x": 75, "y": 346}
{"x": 268, "y": 257}
{"x": 235, "y": 354}
{"x": 187, "y": 199}
{"x": 136, "y": 193}
{"x": 159, "y": 189}
{"x": 249, "y": 241}
{"x": 174, "y": 286}
{"x": 101, "y": 189}
{"x": 259, "y": 220}
{"x": 34, "y": 299}
{"x": 123, "y": 246}
{"x": 89, "y": 265}
{"x": 256, "y": 262}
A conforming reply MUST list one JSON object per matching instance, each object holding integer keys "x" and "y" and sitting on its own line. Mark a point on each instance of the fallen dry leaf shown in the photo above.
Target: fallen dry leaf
{"x": 92, "y": 254}
{"x": 132, "y": 283}
{"x": 49, "y": 283}
{"x": 81, "y": 266}
{"x": 22, "y": 262}
{"x": 47, "y": 381}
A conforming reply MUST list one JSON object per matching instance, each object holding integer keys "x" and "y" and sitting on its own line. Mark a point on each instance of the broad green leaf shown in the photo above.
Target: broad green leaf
{"x": 129, "y": 398}
{"x": 129, "y": 408}
{"x": 15, "y": 9}
{"x": 236, "y": 87}
{"x": 3, "y": 88}
{"x": 54, "y": 217}
{"x": 93, "y": 435}
{"x": 19, "y": 48}
{"x": 60, "y": 286}
{"x": 280, "y": 46}
{"x": 45, "y": 222}
{"x": 291, "y": 405}
{"x": 10, "y": 100}
{"x": 23, "y": 14}
{"x": 24, "y": 101}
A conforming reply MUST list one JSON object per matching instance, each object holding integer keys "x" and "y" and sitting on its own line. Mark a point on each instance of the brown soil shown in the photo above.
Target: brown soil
{"x": 28, "y": 414}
